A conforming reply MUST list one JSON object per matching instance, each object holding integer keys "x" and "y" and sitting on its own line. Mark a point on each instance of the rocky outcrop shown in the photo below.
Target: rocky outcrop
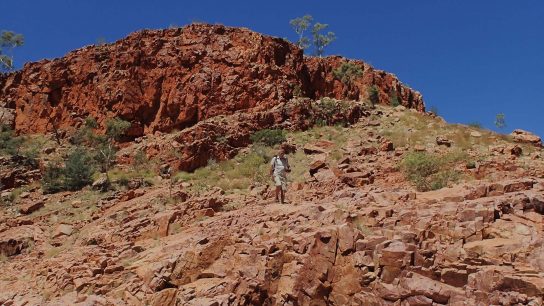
{"x": 526, "y": 137}
{"x": 162, "y": 80}
{"x": 222, "y": 138}
{"x": 16, "y": 171}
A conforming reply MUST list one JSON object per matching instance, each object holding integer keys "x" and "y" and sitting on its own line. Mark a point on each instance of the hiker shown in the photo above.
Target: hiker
{"x": 278, "y": 170}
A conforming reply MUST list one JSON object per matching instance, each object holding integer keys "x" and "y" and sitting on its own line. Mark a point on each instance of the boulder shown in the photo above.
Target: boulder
{"x": 443, "y": 141}
{"x": 7, "y": 116}
{"x": 63, "y": 230}
{"x": 386, "y": 146}
{"x": 17, "y": 171}
{"x": 438, "y": 292}
{"x": 357, "y": 179}
{"x": 516, "y": 150}
{"x": 319, "y": 147}
{"x": 419, "y": 148}
{"x": 395, "y": 254}
{"x": 17, "y": 239}
{"x": 368, "y": 151}
{"x": 526, "y": 137}
{"x": 518, "y": 185}
{"x": 166, "y": 297}
{"x": 492, "y": 248}
{"x": 102, "y": 183}
{"x": 317, "y": 165}
{"x": 31, "y": 207}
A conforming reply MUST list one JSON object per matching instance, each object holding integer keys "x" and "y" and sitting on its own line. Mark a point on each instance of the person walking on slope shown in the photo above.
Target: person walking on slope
{"x": 278, "y": 170}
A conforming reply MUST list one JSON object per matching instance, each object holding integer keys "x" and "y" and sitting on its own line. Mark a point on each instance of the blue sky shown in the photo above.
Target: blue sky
{"x": 470, "y": 59}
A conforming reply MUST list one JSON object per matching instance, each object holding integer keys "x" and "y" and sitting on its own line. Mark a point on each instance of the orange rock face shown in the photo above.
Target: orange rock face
{"x": 162, "y": 80}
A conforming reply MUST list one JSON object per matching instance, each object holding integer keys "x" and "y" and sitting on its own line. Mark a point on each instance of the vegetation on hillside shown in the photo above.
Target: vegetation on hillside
{"x": 268, "y": 137}
{"x": 8, "y": 41}
{"x": 347, "y": 72}
{"x": 9, "y": 142}
{"x": 373, "y": 95}
{"x": 300, "y": 25}
{"x": 431, "y": 171}
{"x": 500, "y": 121}
{"x": 318, "y": 39}
{"x": 91, "y": 152}
{"x": 252, "y": 167}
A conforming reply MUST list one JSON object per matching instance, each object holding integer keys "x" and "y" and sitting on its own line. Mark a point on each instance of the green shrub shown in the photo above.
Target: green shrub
{"x": 500, "y": 121}
{"x": 429, "y": 172}
{"x": 91, "y": 123}
{"x": 9, "y": 142}
{"x": 140, "y": 159}
{"x": 123, "y": 180}
{"x": 320, "y": 122}
{"x": 104, "y": 154}
{"x": 78, "y": 170}
{"x": 373, "y": 95}
{"x": 269, "y": 137}
{"x": 116, "y": 128}
{"x": 470, "y": 164}
{"x": 53, "y": 179}
{"x": 329, "y": 110}
{"x": 441, "y": 179}
{"x": 420, "y": 164}
{"x": 394, "y": 98}
{"x": 347, "y": 72}
{"x": 76, "y": 173}
{"x": 297, "y": 90}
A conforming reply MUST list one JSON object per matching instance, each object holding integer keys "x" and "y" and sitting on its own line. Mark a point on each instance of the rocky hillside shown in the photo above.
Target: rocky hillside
{"x": 355, "y": 231}
{"x": 171, "y": 79}
{"x": 387, "y": 205}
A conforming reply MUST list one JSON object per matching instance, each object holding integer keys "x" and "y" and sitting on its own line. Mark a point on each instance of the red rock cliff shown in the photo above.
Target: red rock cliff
{"x": 166, "y": 79}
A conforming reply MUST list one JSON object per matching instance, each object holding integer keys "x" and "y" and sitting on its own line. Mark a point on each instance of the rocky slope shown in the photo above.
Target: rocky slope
{"x": 171, "y": 79}
{"x": 355, "y": 230}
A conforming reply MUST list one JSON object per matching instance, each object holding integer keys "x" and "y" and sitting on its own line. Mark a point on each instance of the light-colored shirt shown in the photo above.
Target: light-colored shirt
{"x": 279, "y": 165}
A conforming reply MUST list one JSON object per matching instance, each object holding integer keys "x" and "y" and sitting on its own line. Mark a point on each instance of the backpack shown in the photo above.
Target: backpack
{"x": 275, "y": 159}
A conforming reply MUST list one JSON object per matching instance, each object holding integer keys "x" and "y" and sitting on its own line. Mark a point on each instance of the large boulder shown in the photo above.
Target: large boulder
{"x": 526, "y": 137}
{"x": 17, "y": 239}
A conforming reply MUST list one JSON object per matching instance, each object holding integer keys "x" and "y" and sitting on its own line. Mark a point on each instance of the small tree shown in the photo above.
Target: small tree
{"x": 105, "y": 144}
{"x": 347, "y": 72}
{"x": 116, "y": 128}
{"x": 8, "y": 41}
{"x": 300, "y": 25}
{"x": 140, "y": 159}
{"x": 85, "y": 135}
{"x": 54, "y": 119}
{"x": 268, "y": 137}
{"x": 394, "y": 98}
{"x": 373, "y": 95}
{"x": 52, "y": 178}
{"x": 9, "y": 142}
{"x": 75, "y": 174}
{"x": 319, "y": 40}
{"x": 78, "y": 170}
{"x": 500, "y": 121}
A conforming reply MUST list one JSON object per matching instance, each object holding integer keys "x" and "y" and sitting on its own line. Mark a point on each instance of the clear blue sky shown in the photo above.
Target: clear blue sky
{"x": 470, "y": 59}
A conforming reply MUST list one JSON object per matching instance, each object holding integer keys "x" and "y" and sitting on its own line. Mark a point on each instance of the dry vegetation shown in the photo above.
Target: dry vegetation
{"x": 251, "y": 166}
{"x": 427, "y": 171}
